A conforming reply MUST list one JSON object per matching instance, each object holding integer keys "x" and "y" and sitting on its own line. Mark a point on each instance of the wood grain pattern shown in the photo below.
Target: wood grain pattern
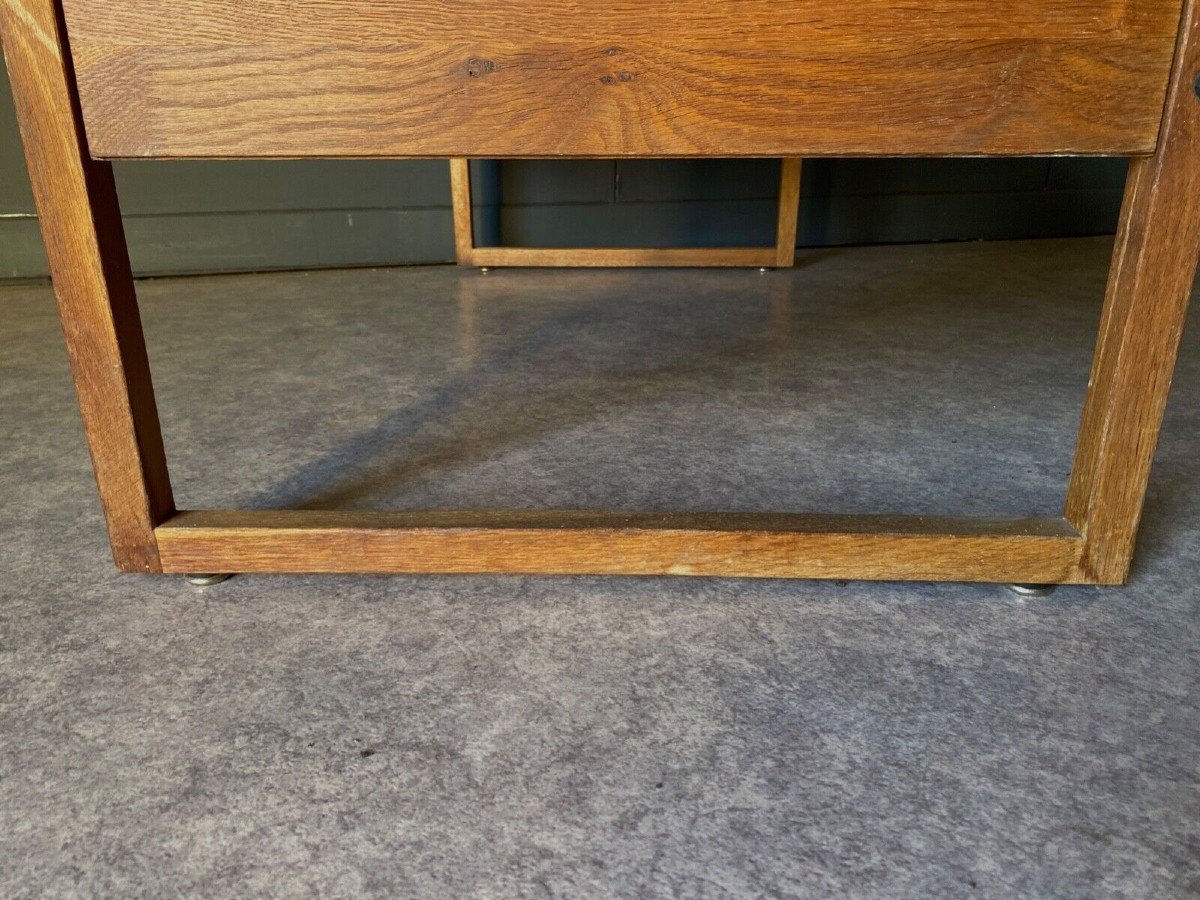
{"x": 1154, "y": 266}
{"x": 550, "y": 78}
{"x": 550, "y": 542}
{"x": 85, "y": 243}
{"x": 789, "y": 214}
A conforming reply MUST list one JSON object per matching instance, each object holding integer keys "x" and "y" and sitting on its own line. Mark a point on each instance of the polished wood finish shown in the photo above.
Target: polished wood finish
{"x": 85, "y": 244}
{"x": 554, "y": 78}
{"x": 590, "y": 543}
{"x": 482, "y": 77}
{"x": 1154, "y": 266}
{"x": 782, "y": 256}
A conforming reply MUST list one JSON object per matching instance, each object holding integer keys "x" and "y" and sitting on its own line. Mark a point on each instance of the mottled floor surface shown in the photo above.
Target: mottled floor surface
{"x": 595, "y": 737}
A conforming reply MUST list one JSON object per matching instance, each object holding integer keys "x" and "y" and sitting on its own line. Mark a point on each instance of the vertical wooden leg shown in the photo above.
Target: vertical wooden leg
{"x": 460, "y": 198}
{"x": 789, "y": 212}
{"x": 1153, "y": 268}
{"x": 89, "y": 263}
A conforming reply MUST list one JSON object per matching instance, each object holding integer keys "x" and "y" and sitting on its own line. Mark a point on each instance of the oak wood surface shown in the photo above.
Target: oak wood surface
{"x": 85, "y": 243}
{"x": 501, "y": 78}
{"x": 557, "y": 542}
{"x": 1153, "y": 270}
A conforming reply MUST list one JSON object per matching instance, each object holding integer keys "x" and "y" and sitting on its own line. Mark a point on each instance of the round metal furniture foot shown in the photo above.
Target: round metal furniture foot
{"x": 483, "y": 270}
{"x": 763, "y": 271}
{"x": 205, "y": 580}
{"x": 1032, "y": 590}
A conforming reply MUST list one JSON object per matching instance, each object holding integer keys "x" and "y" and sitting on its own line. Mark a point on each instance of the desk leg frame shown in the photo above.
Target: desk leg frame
{"x": 781, "y": 256}
{"x": 1151, "y": 280}
{"x": 1150, "y": 283}
{"x": 89, "y": 263}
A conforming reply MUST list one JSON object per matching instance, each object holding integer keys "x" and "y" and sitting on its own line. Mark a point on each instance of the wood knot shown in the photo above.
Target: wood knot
{"x": 619, "y": 77}
{"x": 477, "y": 67}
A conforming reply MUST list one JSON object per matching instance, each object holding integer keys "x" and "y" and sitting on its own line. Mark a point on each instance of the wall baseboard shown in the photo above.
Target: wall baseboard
{"x": 824, "y": 221}
{"x": 253, "y": 241}
{"x": 245, "y": 242}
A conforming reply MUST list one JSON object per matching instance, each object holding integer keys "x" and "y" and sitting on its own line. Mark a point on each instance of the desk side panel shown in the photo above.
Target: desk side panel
{"x": 555, "y": 78}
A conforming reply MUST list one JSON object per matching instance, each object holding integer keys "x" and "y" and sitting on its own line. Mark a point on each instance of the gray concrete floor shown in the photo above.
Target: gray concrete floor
{"x": 512, "y": 736}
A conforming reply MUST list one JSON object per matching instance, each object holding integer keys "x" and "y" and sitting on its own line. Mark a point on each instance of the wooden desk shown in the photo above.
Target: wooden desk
{"x": 550, "y": 78}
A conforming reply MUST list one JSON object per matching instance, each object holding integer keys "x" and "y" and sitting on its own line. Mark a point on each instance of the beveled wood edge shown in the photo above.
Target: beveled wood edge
{"x": 550, "y": 542}
{"x": 781, "y": 256}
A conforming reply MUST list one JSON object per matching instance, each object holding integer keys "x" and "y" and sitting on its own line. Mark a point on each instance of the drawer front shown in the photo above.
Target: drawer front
{"x": 530, "y": 78}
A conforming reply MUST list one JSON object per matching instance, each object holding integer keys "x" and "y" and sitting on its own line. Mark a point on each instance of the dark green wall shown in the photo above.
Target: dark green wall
{"x": 844, "y": 201}
{"x": 225, "y": 216}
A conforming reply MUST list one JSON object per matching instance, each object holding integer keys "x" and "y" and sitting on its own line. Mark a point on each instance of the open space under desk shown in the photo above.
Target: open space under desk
{"x": 419, "y": 78}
